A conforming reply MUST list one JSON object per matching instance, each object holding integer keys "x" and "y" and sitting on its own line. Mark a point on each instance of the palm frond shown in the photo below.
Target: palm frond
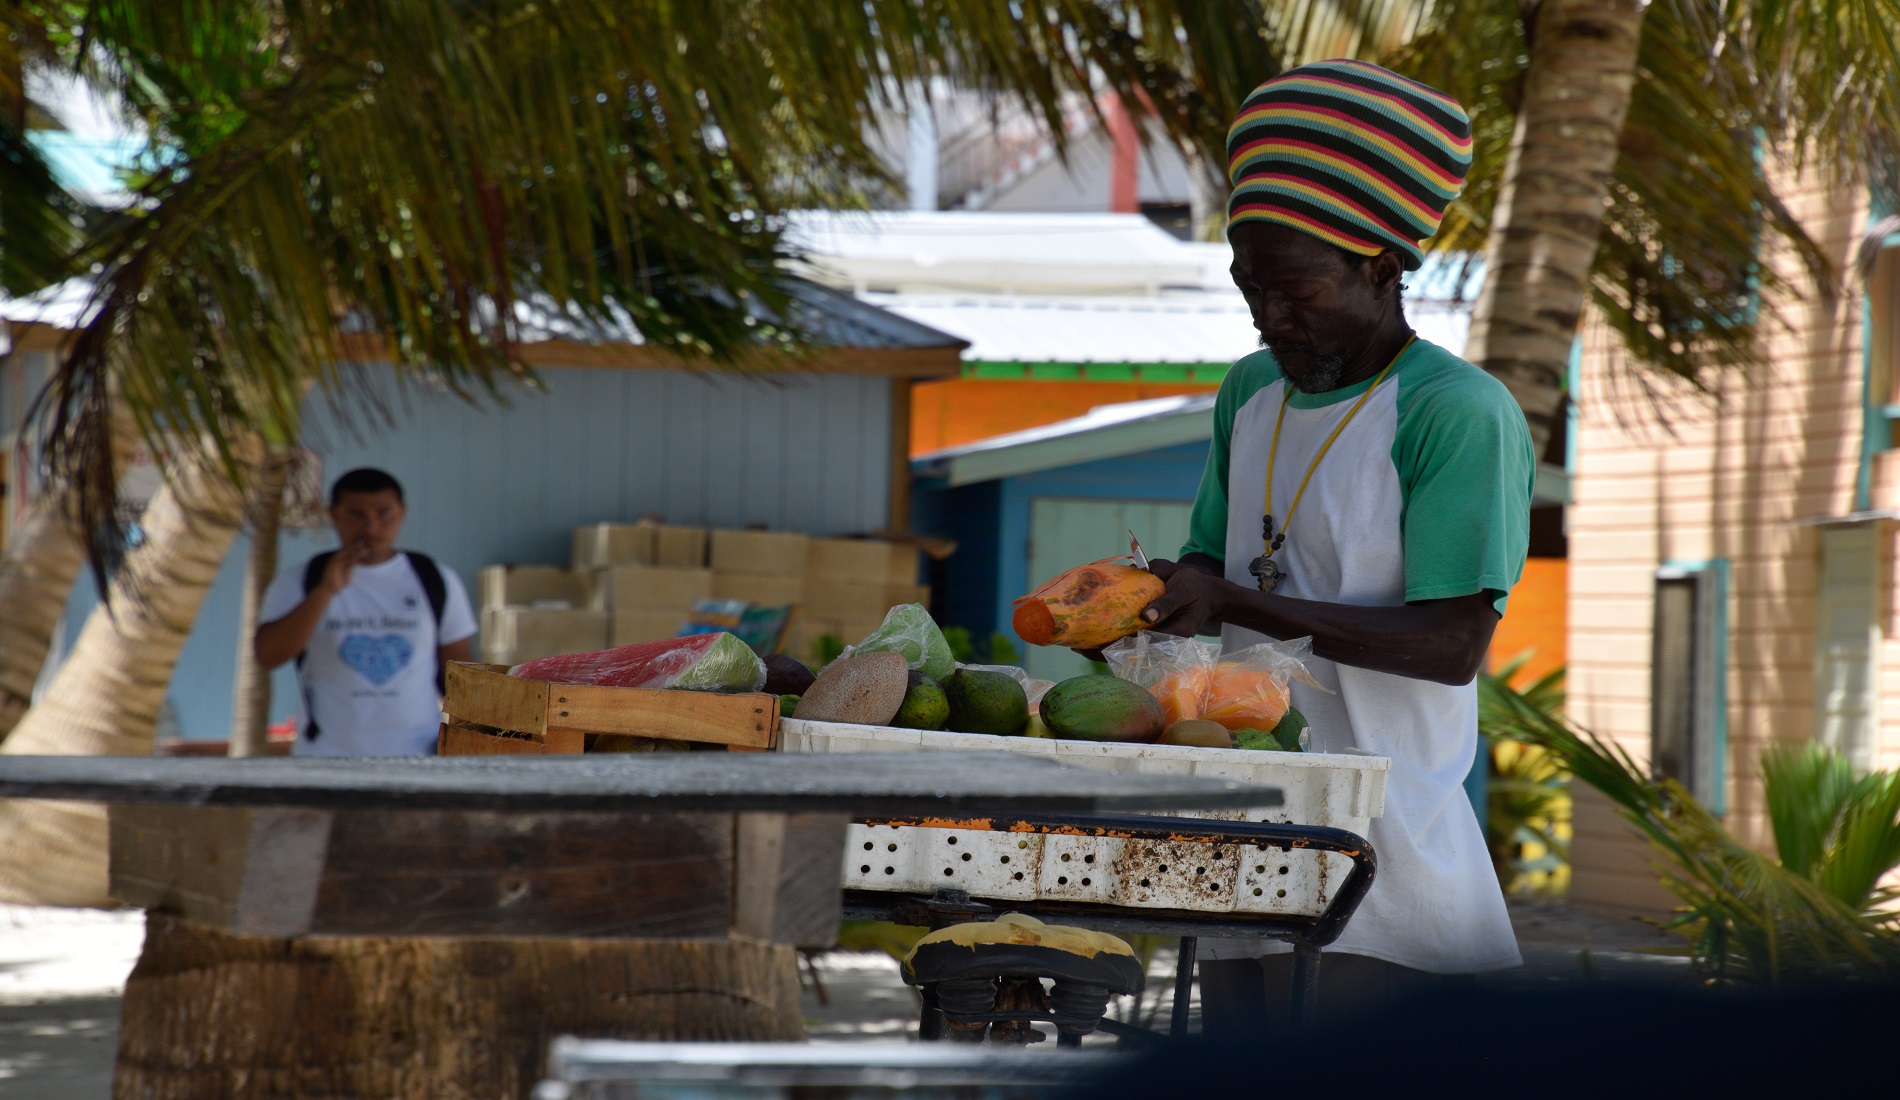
{"x": 1805, "y": 788}
{"x": 1866, "y": 843}
{"x": 1745, "y": 916}
{"x": 445, "y": 177}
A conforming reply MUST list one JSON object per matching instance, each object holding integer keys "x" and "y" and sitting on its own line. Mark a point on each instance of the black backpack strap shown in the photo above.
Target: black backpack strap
{"x": 312, "y": 576}
{"x": 434, "y": 587}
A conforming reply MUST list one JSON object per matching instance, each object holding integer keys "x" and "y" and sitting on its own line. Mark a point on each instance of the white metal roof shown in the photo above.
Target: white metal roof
{"x": 1189, "y": 327}
{"x": 1198, "y": 326}
{"x": 964, "y": 250}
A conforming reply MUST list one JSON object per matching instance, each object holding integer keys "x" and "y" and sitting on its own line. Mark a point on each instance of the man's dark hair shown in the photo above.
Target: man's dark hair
{"x": 366, "y": 479}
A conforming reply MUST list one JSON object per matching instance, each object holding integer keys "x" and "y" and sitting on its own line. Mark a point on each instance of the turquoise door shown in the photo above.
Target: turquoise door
{"x": 1066, "y": 531}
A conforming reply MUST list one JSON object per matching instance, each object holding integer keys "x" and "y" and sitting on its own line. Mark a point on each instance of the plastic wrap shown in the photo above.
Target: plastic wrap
{"x": 704, "y": 662}
{"x": 1246, "y": 689}
{"x": 909, "y": 630}
{"x": 1175, "y": 670}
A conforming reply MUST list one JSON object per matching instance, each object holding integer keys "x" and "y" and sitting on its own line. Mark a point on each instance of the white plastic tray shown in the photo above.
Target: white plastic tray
{"x": 1342, "y": 791}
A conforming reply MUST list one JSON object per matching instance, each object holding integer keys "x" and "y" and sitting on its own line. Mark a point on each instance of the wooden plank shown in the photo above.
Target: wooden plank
{"x": 160, "y": 858}
{"x": 750, "y": 719}
{"x": 485, "y": 695}
{"x": 758, "y": 852}
{"x": 811, "y": 881}
{"x": 253, "y": 871}
{"x": 452, "y": 740}
{"x": 657, "y": 782}
{"x": 448, "y": 873}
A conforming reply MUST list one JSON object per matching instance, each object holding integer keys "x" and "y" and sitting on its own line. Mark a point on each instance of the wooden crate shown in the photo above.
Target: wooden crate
{"x": 491, "y": 712}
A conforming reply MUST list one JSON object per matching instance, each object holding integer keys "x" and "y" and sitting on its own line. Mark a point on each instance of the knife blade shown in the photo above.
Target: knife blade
{"x": 1134, "y": 549}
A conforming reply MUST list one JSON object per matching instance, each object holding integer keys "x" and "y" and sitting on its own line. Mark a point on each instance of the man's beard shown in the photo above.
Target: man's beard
{"x": 1322, "y": 373}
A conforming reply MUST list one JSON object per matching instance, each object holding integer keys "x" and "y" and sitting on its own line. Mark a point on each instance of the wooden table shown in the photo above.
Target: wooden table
{"x": 424, "y": 926}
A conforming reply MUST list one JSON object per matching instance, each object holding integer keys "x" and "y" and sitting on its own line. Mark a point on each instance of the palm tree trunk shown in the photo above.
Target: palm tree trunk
{"x": 43, "y": 557}
{"x": 105, "y": 698}
{"x": 1549, "y": 210}
{"x": 250, "y": 702}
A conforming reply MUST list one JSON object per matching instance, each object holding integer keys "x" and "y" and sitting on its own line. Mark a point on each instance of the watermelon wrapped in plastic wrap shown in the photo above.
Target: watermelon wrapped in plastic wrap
{"x": 703, "y": 662}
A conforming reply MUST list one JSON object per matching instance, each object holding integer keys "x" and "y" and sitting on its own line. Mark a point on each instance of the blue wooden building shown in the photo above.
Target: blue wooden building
{"x": 1025, "y": 506}
{"x": 819, "y": 445}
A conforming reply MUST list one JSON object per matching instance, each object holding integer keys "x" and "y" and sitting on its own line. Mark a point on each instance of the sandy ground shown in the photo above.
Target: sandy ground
{"x": 61, "y": 971}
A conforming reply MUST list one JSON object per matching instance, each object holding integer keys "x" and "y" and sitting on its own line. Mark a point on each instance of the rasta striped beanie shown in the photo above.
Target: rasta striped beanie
{"x": 1354, "y": 154}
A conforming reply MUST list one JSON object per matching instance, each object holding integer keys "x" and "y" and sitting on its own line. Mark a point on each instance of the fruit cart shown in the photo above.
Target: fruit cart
{"x": 1293, "y": 873}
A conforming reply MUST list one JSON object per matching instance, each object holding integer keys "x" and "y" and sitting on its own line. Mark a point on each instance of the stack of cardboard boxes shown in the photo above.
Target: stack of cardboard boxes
{"x": 849, "y": 585}
{"x": 637, "y": 582}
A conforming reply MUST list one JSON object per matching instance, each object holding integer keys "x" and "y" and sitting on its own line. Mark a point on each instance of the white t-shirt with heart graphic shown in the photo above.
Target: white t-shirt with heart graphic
{"x": 368, "y": 674}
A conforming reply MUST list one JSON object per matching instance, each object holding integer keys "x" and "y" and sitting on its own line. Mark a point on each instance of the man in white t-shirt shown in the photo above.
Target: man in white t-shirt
{"x": 370, "y": 628}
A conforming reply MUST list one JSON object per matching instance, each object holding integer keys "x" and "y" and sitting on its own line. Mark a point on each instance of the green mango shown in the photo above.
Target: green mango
{"x": 926, "y": 707}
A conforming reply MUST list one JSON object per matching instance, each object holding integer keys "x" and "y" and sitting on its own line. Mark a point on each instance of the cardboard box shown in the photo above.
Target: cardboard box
{"x": 768, "y": 591}
{"x": 679, "y": 547}
{"x": 631, "y": 589}
{"x": 759, "y": 553}
{"x": 861, "y": 561}
{"x": 599, "y": 545}
{"x": 802, "y": 635}
{"x": 527, "y": 585}
{"x": 511, "y": 635}
{"x": 843, "y": 602}
{"x": 644, "y": 626}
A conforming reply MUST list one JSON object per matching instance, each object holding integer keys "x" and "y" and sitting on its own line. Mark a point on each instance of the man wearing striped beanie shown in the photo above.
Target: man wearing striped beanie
{"x": 1368, "y": 489}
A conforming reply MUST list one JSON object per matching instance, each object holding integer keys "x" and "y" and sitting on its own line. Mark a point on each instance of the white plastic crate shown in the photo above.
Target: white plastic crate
{"x": 1342, "y": 791}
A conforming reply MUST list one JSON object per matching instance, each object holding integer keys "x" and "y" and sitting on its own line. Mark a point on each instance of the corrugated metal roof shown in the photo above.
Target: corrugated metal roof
{"x": 1177, "y": 327}
{"x": 964, "y": 250}
{"x": 832, "y": 318}
{"x": 836, "y": 319}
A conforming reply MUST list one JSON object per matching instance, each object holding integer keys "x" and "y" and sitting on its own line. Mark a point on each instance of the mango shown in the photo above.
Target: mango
{"x": 986, "y": 702}
{"x": 1249, "y": 738}
{"x": 926, "y": 707}
{"x": 1102, "y": 708}
{"x": 787, "y": 706}
{"x": 1087, "y": 607}
{"x": 1199, "y": 733}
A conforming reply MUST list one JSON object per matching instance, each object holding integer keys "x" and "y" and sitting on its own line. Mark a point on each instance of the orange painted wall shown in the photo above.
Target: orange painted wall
{"x": 1536, "y": 620}
{"x": 964, "y": 410}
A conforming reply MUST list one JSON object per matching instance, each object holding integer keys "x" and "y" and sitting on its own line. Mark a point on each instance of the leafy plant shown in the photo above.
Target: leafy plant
{"x": 1527, "y": 798}
{"x": 1815, "y": 913}
{"x": 1001, "y": 650}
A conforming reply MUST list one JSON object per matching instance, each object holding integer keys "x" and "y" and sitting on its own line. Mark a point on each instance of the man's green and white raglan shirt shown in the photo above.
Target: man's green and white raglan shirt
{"x": 1425, "y": 495}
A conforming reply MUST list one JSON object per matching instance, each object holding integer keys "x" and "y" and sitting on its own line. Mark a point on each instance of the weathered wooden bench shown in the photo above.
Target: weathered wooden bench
{"x": 424, "y": 926}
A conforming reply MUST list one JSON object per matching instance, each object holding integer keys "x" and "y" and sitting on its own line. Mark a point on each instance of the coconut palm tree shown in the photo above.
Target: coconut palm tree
{"x": 105, "y": 699}
{"x": 1619, "y": 166}
{"x": 44, "y": 554}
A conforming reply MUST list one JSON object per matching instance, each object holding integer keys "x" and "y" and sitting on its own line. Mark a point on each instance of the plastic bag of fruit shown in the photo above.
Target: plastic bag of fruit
{"x": 1246, "y": 689}
{"x": 1174, "y": 670}
{"x": 908, "y": 629}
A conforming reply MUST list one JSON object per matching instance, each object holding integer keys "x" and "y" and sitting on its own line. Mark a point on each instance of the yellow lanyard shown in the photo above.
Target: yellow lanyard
{"x": 1269, "y": 538}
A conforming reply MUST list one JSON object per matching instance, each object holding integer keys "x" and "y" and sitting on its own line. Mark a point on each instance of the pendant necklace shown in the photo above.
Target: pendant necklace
{"x": 1268, "y": 573}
